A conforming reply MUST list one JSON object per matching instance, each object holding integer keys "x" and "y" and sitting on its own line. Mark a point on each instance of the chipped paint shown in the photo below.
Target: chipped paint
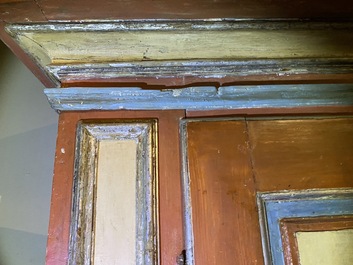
{"x": 296, "y": 204}
{"x": 201, "y": 98}
{"x": 85, "y": 181}
{"x": 169, "y": 48}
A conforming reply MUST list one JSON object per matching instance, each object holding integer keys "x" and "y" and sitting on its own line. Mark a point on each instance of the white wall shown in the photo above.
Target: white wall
{"x": 28, "y": 129}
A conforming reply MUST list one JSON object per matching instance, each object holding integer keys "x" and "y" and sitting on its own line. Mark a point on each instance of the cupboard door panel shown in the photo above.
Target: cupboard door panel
{"x": 229, "y": 163}
{"x": 224, "y": 216}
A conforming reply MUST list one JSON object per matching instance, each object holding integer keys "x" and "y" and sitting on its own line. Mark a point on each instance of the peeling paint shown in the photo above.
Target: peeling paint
{"x": 183, "y": 48}
{"x": 201, "y": 98}
{"x": 296, "y": 204}
{"x": 85, "y": 181}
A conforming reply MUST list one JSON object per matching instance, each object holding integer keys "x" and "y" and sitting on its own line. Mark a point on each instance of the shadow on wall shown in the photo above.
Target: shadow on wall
{"x": 4, "y": 60}
{"x": 28, "y": 129}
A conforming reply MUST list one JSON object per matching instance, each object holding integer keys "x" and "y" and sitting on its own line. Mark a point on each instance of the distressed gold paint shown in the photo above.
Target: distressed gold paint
{"x": 114, "y": 218}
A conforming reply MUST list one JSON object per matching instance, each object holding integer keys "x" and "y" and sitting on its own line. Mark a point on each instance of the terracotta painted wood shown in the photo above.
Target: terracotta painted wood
{"x": 224, "y": 215}
{"x": 171, "y": 238}
{"x": 302, "y": 153}
{"x": 189, "y": 9}
{"x": 21, "y": 12}
{"x": 43, "y": 10}
{"x": 181, "y": 82}
{"x": 290, "y": 226}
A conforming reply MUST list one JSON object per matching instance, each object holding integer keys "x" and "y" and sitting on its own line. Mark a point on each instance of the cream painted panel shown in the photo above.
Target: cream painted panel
{"x": 90, "y": 47}
{"x": 326, "y": 248}
{"x": 115, "y": 221}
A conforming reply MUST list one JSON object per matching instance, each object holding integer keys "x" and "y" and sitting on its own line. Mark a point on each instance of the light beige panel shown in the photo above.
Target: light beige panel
{"x": 115, "y": 222}
{"x": 326, "y": 248}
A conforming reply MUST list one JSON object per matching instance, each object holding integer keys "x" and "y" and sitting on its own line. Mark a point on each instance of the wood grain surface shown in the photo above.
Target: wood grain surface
{"x": 225, "y": 222}
{"x": 302, "y": 153}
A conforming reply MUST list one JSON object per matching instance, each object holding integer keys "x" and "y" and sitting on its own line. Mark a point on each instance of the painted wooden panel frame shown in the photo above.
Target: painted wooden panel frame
{"x": 82, "y": 233}
{"x": 290, "y": 226}
{"x": 169, "y": 191}
{"x": 273, "y": 207}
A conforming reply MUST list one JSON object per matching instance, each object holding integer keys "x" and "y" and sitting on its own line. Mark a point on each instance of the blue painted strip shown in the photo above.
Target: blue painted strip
{"x": 201, "y": 98}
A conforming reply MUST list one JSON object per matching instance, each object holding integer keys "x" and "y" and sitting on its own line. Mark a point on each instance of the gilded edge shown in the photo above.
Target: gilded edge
{"x": 81, "y": 248}
{"x": 187, "y": 204}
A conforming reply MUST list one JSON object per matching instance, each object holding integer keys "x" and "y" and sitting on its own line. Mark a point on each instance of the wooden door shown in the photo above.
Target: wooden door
{"x": 254, "y": 188}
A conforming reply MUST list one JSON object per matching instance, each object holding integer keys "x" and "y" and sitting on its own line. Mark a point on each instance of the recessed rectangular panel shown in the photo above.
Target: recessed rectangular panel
{"x": 326, "y": 247}
{"x": 114, "y": 217}
{"x": 115, "y": 222}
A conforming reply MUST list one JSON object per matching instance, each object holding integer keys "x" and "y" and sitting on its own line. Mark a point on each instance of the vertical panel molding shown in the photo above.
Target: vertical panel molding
{"x": 82, "y": 233}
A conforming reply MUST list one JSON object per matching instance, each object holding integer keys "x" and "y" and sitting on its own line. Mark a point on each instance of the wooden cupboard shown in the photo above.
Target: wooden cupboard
{"x": 217, "y": 182}
{"x": 201, "y": 132}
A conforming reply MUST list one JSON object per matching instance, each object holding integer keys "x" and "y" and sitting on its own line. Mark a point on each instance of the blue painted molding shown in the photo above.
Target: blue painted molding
{"x": 201, "y": 98}
{"x": 310, "y": 203}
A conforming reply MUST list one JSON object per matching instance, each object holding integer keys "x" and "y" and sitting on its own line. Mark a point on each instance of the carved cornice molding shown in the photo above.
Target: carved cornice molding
{"x": 201, "y": 49}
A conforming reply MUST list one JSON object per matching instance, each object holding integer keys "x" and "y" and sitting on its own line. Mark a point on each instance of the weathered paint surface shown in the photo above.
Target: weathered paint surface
{"x": 308, "y": 203}
{"x": 170, "y": 212}
{"x": 201, "y": 98}
{"x": 88, "y": 223}
{"x": 138, "y": 41}
{"x": 207, "y": 69}
{"x": 200, "y": 48}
